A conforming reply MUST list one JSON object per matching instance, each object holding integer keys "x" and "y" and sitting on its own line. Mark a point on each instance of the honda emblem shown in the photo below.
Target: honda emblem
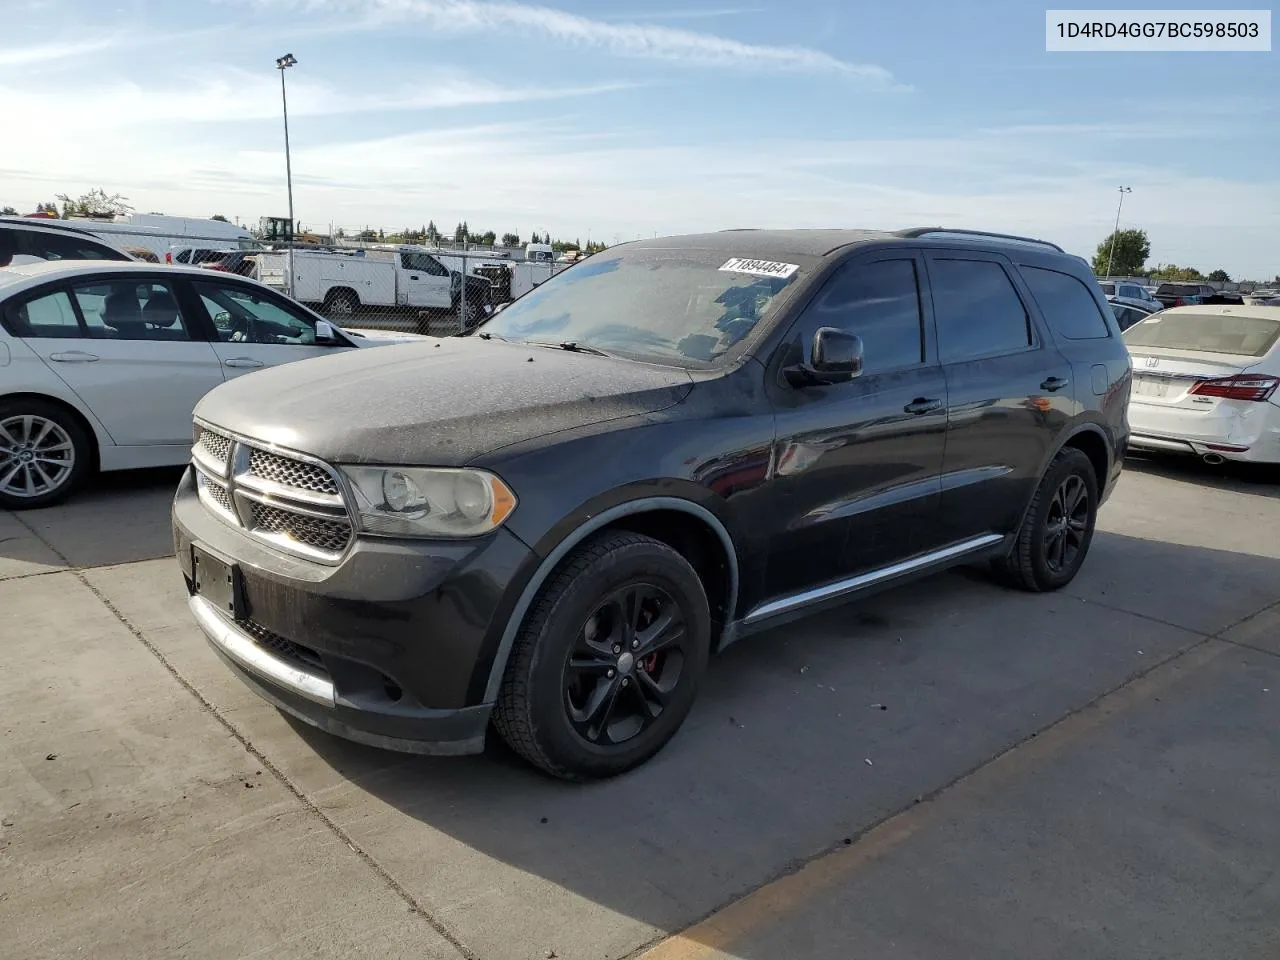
{"x": 1153, "y": 361}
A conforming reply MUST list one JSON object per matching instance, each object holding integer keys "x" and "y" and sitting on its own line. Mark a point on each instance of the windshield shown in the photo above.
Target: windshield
{"x": 1109, "y": 289}
{"x": 682, "y": 306}
{"x": 1206, "y": 332}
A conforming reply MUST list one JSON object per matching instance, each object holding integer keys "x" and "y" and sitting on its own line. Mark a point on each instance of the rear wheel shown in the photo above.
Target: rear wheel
{"x": 341, "y": 305}
{"x": 44, "y": 454}
{"x": 1058, "y": 529}
{"x": 608, "y": 662}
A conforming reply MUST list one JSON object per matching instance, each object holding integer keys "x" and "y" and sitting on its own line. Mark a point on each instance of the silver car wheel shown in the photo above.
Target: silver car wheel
{"x": 37, "y": 456}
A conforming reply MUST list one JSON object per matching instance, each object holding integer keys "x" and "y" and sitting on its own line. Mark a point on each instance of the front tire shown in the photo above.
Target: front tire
{"x": 608, "y": 661}
{"x": 1058, "y": 528}
{"x": 44, "y": 454}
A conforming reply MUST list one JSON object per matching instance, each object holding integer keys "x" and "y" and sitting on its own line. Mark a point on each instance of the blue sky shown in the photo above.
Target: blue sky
{"x": 634, "y": 117}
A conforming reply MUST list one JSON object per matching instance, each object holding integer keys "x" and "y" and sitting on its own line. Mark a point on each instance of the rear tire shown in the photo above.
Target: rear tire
{"x": 45, "y": 454}
{"x": 341, "y": 305}
{"x": 588, "y": 695}
{"x": 1058, "y": 528}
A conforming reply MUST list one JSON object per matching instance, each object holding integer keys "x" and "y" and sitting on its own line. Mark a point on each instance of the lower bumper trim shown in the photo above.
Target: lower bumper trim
{"x": 240, "y": 648}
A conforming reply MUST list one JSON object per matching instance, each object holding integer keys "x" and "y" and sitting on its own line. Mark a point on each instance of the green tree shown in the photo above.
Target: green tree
{"x": 488, "y": 238}
{"x": 1171, "y": 271}
{"x": 460, "y": 232}
{"x": 1220, "y": 276}
{"x": 8, "y": 211}
{"x": 96, "y": 203}
{"x": 432, "y": 233}
{"x": 220, "y": 218}
{"x": 1122, "y": 254}
{"x": 511, "y": 239}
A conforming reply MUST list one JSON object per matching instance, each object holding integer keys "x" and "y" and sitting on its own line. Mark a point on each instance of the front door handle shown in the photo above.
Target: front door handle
{"x": 1054, "y": 383}
{"x": 243, "y": 362}
{"x": 922, "y": 405}
{"x": 73, "y": 356}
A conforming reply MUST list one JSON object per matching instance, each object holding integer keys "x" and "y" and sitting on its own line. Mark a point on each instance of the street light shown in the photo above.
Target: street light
{"x": 283, "y": 64}
{"x": 1111, "y": 252}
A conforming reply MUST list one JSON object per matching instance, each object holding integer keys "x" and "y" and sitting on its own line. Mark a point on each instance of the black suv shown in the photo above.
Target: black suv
{"x": 551, "y": 523}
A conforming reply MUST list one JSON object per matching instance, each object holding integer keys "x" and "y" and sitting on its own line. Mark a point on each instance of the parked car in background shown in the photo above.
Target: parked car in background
{"x": 1182, "y": 294}
{"x": 142, "y": 253}
{"x": 28, "y": 240}
{"x": 553, "y": 522}
{"x": 1204, "y": 383}
{"x": 1133, "y": 294}
{"x": 1189, "y": 294}
{"x": 102, "y": 364}
{"x": 241, "y": 262}
{"x": 194, "y": 256}
{"x": 1127, "y": 313}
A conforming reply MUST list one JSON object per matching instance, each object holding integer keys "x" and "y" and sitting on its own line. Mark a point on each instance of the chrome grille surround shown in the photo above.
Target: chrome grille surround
{"x": 288, "y": 500}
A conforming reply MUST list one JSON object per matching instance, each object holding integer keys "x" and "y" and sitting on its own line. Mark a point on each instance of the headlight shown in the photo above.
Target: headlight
{"x": 428, "y": 502}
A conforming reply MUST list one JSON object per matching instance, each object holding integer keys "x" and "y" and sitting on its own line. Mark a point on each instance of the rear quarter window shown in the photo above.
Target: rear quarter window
{"x": 1066, "y": 303}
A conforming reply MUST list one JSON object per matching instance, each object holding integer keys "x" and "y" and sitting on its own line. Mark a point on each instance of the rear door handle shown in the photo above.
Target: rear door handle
{"x": 1054, "y": 383}
{"x": 922, "y": 405}
{"x": 243, "y": 362}
{"x": 73, "y": 356}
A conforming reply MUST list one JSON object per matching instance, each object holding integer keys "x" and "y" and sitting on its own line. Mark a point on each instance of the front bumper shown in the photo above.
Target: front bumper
{"x": 392, "y": 647}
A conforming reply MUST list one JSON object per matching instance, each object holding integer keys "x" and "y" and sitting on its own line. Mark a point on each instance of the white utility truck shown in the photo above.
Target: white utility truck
{"x": 405, "y": 278}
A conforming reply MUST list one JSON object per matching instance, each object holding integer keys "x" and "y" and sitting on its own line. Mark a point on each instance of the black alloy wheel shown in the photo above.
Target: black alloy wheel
{"x": 607, "y": 662}
{"x": 625, "y": 664}
{"x": 1066, "y": 524}
{"x": 1058, "y": 527}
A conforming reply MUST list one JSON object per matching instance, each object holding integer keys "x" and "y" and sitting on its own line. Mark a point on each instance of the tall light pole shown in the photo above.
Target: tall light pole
{"x": 283, "y": 64}
{"x": 1119, "y": 206}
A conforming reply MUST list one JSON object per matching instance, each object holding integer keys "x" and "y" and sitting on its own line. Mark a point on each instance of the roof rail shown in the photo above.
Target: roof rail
{"x": 913, "y": 232}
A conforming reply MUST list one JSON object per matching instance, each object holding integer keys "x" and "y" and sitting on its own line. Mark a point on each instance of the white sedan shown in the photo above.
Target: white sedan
{"x": 1205, "y": 382}
{"x": 101, "y": 363}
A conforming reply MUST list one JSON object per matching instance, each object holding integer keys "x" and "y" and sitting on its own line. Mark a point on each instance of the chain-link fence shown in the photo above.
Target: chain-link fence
{"x": 441, "y": 289}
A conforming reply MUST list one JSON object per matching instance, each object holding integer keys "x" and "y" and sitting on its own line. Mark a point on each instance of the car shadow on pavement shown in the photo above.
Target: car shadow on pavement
{"x": 802, "y": 737}
{"x": 116, "y": 518}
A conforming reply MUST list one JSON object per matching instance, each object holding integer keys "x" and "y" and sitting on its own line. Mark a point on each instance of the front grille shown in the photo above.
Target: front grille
{"x": 284, "y": 648}
{"x": 215, "y": 445}
{"x": 330, "y": 536}
{"x": 289, "y": 501}
{"x": 291, "y": 473}
{"x": 215, "y": 492}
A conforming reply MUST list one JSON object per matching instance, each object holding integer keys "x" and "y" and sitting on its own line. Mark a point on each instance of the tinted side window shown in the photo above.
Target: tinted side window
{"x": 50, "y": 316}
{"x": 1066, "y": 304}
{"x": 880, "y": 302}
{"x": 48, "y": 246}
{"x": 978, "y": 310}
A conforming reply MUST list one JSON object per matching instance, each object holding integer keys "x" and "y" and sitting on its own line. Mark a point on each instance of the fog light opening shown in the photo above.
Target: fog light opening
{"x": 393, "y": 691}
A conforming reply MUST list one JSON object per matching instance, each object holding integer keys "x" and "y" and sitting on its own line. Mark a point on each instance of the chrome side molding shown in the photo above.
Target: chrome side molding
{"x": 851, "y": 585}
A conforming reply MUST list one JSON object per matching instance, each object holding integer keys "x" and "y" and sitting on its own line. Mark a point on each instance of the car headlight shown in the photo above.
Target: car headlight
{"x": 428, "y": 502}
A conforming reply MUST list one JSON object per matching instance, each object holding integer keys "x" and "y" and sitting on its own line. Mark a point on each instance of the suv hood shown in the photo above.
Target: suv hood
{"x": 440, "y": 402}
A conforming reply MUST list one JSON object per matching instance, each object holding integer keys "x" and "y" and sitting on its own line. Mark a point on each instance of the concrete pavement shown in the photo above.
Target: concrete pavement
{"x": 141, "y": 837}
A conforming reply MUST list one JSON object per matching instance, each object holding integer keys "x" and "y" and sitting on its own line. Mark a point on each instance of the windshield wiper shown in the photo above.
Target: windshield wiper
{"x": 573, "y": 346}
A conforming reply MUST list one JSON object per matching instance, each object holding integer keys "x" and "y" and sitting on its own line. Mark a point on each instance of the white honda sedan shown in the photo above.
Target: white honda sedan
{"x": 101, "y": 363}
{"x": 1205, "y": 382}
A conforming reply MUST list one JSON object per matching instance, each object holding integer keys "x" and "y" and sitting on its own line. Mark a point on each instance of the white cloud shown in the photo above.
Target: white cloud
{"x": 55, "y": 51}
{"x": 647, "y": 41}
{"x": 242, "y": 96}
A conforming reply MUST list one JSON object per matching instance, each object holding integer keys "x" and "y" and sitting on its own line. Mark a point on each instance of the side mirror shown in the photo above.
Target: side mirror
{"x": 835, "y": 357}
{"x": 325, "y": 336}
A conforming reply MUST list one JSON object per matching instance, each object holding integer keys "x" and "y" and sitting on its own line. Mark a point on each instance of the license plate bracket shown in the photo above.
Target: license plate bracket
{"x": 219, "y": 582}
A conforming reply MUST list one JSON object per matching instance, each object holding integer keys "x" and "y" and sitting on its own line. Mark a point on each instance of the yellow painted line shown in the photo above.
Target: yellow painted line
{"x": 718, "y": 933}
